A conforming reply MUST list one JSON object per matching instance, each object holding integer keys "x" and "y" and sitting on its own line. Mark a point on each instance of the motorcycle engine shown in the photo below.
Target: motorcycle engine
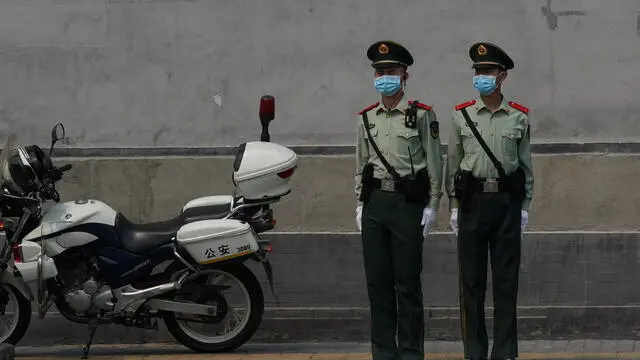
{"x": 83, "y": 293}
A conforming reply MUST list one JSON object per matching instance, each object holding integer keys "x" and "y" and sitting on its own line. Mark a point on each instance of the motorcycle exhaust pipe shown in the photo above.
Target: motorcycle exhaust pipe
{"x": 125, "y": 299}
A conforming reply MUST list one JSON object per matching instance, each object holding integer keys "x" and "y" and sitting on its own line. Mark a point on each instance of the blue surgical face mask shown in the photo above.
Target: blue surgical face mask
{"x": 485, "y": 84}
{"x": 388, "y": 84}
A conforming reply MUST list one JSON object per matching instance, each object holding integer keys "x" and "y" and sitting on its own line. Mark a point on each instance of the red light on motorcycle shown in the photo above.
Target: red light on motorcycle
{"x": 1, "y": 225}
{"x": 287, "y": 173}
{"x": 268, "y": 248}
{"x": 267, "y": 107}
{"x": 17, "y": 253}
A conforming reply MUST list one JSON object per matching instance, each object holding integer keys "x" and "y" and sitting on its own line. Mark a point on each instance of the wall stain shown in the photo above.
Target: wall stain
{"x": 552, "y": 17}
{"x": 141, "y": 195}
{"x": 159, "y": 133}
{"x": 74, "y": 140}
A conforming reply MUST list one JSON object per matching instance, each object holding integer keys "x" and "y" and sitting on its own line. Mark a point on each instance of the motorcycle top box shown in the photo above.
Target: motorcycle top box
{"x": 263, "y": 170}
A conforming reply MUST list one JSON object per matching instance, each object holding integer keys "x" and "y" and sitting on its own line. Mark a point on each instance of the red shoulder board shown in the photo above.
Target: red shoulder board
{"x": 368, "y": 108}
{"x": 420, "y": 105}
{"x": 519, "y": 107}
{"x": 464, "y": 105}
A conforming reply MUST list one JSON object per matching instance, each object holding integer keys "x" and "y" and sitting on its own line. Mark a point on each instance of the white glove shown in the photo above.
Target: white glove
{"x": 428, "y": 215}
{"x": 359, "y": 217}
{"x": 525, "y": 219}
{"x": 453, "y": 221}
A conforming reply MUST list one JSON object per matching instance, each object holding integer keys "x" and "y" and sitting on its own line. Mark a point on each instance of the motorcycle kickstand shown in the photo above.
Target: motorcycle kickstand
{"x": 93, "y": 326}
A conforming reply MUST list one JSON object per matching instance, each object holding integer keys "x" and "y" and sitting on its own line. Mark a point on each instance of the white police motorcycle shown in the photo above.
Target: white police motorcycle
{"x": 98, "y": 267}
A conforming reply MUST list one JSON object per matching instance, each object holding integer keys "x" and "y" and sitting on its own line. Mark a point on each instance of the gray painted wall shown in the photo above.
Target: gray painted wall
{"x": 190, "y": 72}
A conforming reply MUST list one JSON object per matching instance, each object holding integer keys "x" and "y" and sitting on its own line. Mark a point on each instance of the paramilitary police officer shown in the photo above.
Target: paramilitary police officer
{"x": 489, "y": 201}
{"x": 398, "y": 185}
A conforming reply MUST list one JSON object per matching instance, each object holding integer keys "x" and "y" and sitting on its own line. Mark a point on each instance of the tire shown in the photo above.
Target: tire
{"x": 256, "y": 297}
{"x": 24, "y": 315}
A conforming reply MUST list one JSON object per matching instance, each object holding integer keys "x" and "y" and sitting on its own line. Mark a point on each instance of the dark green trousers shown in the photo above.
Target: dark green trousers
{"x": 392, "y": 247}
{"x": 489, "y": 223}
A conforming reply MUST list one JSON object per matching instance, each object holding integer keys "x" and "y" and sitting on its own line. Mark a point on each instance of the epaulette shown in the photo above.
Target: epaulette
{"x": 519, "y": 107}
{"x": 465, "y": 104}
{"x": 368, "y": 108}
{"x": 420, "y": 105}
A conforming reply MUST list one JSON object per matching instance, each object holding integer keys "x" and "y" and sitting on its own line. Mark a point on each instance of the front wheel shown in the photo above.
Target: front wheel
{"x": 15, "y": 314}
{"x": 232, "y": 326}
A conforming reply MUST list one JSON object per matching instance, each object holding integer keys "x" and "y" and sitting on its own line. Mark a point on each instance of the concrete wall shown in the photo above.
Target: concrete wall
{"x": 130, "y": 73}
{"x": 572, "y": 191}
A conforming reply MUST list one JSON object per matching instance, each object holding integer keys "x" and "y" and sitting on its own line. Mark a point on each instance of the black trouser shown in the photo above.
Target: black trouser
{"x": 489, "y": 222}
{"x": 392, "y": 247}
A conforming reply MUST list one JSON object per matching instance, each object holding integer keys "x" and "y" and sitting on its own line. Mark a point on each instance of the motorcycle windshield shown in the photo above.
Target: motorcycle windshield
{"x": 9, "y": 145}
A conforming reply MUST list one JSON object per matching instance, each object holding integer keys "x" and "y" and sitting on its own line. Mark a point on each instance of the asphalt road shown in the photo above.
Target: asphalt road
{"x": 569, "y": 349}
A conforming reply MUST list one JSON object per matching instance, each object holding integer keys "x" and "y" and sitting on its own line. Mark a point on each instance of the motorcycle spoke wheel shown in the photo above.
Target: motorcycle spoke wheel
{"x": 15, "y": 314}
{"x": 233, "y": 324}
{"x": 9, "y": 315}
{"x": 233, "y": 317}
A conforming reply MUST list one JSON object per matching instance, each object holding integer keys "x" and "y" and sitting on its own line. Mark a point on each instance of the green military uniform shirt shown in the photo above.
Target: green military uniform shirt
{"x": 395, "y": 141}
{"x": 507, "y": 134}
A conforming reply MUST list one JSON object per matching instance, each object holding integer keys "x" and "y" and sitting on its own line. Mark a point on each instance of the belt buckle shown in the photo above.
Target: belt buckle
{"x": 387, "y": 185}
{"x": 490, "y": 186}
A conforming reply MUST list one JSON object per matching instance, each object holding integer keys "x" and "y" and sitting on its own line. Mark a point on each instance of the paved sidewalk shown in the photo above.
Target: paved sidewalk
{"x": 540, "y": 349}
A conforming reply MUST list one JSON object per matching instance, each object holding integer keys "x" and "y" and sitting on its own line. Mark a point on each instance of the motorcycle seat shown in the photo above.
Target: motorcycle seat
{"x": 140, "y": 238}
{"x": 210, "y": 212}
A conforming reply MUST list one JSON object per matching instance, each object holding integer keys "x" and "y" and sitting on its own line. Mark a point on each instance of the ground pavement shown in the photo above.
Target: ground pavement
{"x": 539, "y": 349}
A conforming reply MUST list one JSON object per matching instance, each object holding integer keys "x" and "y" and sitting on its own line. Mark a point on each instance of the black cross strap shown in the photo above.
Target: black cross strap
{"x": 386, "y": 164}
{"x": 486, "y": 149}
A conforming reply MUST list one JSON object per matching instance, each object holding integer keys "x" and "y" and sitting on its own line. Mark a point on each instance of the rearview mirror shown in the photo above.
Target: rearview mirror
{"x": 57, "y": 134}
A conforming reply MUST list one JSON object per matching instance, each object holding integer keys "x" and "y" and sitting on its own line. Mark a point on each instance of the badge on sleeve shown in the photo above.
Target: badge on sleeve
{"x": 434, "y": 129}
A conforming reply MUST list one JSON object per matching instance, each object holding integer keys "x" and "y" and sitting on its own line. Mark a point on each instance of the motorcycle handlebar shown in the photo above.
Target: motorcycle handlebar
{"x": 56, "y": 174}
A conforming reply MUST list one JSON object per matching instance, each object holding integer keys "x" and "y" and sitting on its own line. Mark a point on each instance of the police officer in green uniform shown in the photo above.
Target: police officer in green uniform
{"x": 399, "y": 165}
{"x": 489, "y": 201}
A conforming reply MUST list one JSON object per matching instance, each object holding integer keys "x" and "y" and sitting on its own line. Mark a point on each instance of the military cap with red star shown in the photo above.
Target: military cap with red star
{"x": 388, "y": 53}
{"x": 486, "y": 56}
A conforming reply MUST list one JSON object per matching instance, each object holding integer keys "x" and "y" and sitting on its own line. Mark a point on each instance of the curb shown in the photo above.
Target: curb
{"x": 352, "y": 325}
{"x": 7, "y": 352}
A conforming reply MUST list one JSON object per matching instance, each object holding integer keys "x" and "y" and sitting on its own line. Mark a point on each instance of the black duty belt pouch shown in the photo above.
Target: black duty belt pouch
{"x": 367, "y": 183}
{"x": 462, "y": 184}
{"x": 415, "y": 187}
{"x": 516, "y": 182}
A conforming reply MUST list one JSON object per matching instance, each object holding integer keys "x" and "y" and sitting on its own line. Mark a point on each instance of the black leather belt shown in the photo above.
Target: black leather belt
{"x": 384, "y": 184}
